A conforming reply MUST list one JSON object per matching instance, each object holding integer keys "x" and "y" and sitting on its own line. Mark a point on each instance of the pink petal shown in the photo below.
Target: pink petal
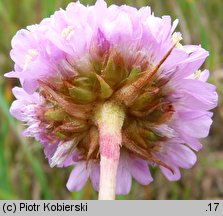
{"x": 95, "y": 175}
{"x": 181, "y": 155}
{"x": 78, "y": 177}
{"x": 169, "y": 175}
{"x": 140, "y": 171}
{"x": 124, "y": 179}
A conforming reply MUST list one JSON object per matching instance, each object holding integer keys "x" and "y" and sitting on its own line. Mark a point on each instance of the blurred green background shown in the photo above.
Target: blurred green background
{"x": 25, "y": 173}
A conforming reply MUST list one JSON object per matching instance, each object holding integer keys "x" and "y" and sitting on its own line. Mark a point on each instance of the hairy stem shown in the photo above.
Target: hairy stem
{"x": 110, "y": 119}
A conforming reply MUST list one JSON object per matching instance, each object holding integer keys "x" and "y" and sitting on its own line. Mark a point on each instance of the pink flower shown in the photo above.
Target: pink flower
{"x": 81, "y": 58}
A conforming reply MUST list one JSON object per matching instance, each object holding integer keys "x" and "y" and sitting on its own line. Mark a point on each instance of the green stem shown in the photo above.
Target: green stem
{"x": 110, "y": 118}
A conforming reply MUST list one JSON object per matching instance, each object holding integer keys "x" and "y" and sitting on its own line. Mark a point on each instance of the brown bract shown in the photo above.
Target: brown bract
{"x": 72, "y": 103}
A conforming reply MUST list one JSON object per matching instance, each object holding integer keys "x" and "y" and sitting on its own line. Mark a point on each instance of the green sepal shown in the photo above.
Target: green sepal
{"x": 56, "y": 115}
{"x": 145, "y": 99}
{"x": 150, "y": 136}
{"x": 115, "y": 71}
{"x": 85, "y": 82}
{"x": 134, "y": 74}
{"x": 106, "y": 90}
{"x": 82, "y": 95}
{"x": 60, "y": 135}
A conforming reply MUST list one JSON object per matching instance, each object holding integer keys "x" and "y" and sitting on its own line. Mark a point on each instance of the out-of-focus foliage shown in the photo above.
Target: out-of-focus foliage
{"x": 25, "y": 173}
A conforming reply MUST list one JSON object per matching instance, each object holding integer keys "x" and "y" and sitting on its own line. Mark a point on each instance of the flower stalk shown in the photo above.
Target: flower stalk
{"x": 110, "y": 118}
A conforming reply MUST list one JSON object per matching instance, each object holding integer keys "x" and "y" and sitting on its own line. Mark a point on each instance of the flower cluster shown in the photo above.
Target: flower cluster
{"x": 72, "y": 63}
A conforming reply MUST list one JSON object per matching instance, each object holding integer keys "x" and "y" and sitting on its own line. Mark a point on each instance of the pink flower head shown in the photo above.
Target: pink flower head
{"x": 81, "y": 57}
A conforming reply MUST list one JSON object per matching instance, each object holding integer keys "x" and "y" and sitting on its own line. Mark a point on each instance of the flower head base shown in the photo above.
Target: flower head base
{"x": 97, "y": 75}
